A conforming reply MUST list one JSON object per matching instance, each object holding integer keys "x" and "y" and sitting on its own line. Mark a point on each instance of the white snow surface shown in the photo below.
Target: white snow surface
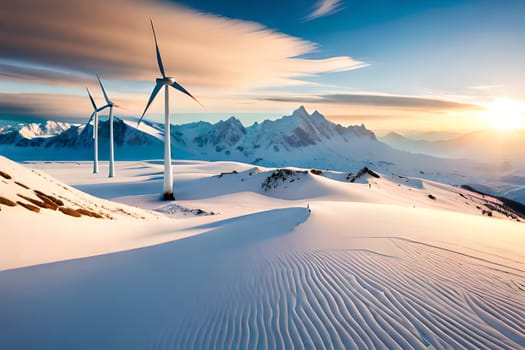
{"x": 44, "y": 129}
{"x": 375, "y": 264}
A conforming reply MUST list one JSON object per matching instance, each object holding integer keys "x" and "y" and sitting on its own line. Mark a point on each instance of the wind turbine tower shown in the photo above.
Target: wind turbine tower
{"x": 95, "y": 130}
{"x": 165, "y": 82}
{"x": 109, "y": 104}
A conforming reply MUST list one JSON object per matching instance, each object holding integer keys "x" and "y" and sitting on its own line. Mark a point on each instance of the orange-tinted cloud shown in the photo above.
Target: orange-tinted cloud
{"x": 33, "y": 107}
{"x": 407, "y": 102}
{"x": 383, "y": 112}
{"x": 114, "y": 39}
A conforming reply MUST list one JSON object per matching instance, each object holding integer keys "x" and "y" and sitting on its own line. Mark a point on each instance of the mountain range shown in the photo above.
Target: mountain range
{"x": 300, "y": 139}
{"x": 271, "y": 141}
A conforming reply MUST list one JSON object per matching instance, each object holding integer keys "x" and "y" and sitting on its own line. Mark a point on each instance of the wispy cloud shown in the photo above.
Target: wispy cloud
{"x": 64, "y": 107}
{"x": 61, "y": 107}
{"x": 114, "y": 39}
{"x": 410, "y": 102}
{"x": 21, "y": 71}
{"x": 38, "y": 107}
{"x": 387, "y": 112}
{"x": 324, "y": 8}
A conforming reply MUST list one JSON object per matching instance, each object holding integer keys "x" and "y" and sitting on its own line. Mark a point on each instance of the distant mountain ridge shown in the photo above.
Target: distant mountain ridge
{"x": 20, "y": 133}
{"x": 300, "y": 139}
{"x": 494, "y": 146}
{"x": 224, "y": 140}
{"x": 271, "y": 139}
{"x": 43, "y": 129}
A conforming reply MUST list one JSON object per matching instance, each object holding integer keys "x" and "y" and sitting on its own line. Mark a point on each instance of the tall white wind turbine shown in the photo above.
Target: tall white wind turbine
{"x": 165, "y": 82}
{"x": 109, "y": 104}
{"x": 95, "y": 130}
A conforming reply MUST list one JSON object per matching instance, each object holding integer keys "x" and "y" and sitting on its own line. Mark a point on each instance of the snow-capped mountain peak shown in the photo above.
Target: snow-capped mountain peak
{"x": 294, "y": 138}
{"x": 301, "y": 112}
{"x": 43, "y": 129}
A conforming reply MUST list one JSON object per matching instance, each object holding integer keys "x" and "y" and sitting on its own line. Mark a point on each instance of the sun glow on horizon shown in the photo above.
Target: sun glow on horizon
{"x": 506, "y": 115}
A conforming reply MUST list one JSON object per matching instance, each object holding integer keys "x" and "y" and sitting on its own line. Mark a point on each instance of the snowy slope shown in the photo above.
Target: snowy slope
{"x": 44, "y": 129}
{"x": 371, "y": 266}
{"x": 31, "y": 134}
{"x": 43, "y": 219}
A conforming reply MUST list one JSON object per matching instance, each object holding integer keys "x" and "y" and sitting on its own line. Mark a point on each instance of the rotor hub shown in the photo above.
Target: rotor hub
{"x": 165, "y": 81}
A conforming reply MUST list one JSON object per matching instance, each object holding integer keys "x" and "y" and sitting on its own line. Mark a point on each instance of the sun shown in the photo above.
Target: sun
{"x": 506, "y": 115}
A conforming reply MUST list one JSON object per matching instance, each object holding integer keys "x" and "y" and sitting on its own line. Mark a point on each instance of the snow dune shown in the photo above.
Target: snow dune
{"x": 380, "y": 266}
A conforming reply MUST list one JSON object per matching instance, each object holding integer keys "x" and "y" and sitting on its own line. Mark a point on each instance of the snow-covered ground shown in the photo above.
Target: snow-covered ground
{"x": 239, "y": 261}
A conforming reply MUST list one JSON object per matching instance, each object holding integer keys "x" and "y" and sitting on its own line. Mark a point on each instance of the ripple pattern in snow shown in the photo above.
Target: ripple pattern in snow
{"x": 359, "y": 299}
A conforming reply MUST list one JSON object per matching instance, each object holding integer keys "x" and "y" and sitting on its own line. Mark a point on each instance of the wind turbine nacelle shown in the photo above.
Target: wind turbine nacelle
{"x": 165, "y": 81}
{"x": 106, "y": 106}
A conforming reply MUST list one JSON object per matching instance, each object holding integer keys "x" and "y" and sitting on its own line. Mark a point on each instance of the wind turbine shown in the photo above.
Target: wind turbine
{"x": 165, "y": 82}
{"x": 109, "y": 104}
{"x": 95, "y": 130}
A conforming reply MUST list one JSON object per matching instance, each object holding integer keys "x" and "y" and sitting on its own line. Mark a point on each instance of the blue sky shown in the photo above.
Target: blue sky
{"x": 411, "y": 46}
{"x": 445, "y": 60}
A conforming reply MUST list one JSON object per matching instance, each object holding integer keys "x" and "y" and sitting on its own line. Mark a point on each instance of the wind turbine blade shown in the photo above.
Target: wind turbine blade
{"x": 89, "y": 121}
{"x": 103, "y": 90}
{"x": 91, "y": 118}
{"x": 159, "y": 59}
{"x": 154, "y": 93}
{"x": 92, "y": 100}
{"x": 184, "y": 91}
